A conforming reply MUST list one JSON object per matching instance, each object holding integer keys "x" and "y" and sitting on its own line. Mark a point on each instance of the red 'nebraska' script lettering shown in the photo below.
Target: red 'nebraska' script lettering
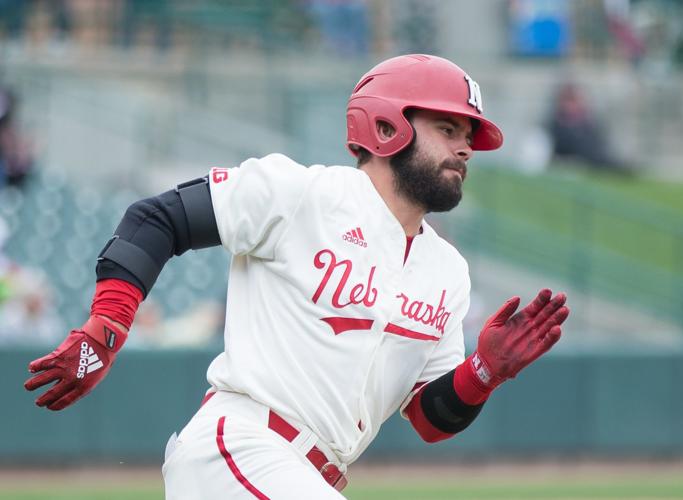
{"x": 359, "y": 293}
{"x": 426, "y": 314}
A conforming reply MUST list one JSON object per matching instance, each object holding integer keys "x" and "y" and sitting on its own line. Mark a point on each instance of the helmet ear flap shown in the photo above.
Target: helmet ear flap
{"x": 362, "y": 116}
{"x": 357, "y": 127}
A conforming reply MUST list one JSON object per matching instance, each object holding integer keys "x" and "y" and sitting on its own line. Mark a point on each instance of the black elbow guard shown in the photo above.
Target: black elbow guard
{"x": 201, "y": 221}
{"x": 444, "y": 409}
{"x": 133, "y": 259}
{"x": 155, "y": 229}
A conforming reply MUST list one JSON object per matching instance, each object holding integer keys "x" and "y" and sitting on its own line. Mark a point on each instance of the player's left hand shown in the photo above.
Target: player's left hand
{"x": 511, "y": 341}
{"x": 78, "y": 364}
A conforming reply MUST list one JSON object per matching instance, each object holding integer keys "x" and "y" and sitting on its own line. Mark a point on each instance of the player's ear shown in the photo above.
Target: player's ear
{"x": 385, "y": 130}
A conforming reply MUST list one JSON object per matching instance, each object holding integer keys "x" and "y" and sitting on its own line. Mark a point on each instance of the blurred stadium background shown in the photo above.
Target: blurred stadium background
{"x": 103, "y": 102}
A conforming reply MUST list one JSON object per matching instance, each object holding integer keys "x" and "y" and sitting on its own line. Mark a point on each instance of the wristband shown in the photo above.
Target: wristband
{"x": 469, "y": 380}
{"x": 116, "y": 299}
{"x": 104, "y": 333}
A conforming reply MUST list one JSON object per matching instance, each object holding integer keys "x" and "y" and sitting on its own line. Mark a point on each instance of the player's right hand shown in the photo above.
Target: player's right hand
{"x": 509, "y": 342}
{"x": 79, "y": 363}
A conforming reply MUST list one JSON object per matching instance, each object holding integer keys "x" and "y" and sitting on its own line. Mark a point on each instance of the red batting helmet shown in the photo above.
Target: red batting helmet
{"x": 413, "y": 81}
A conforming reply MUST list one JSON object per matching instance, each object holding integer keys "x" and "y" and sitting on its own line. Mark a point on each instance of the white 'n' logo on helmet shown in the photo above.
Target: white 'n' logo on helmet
{"x": 475, "y": 94}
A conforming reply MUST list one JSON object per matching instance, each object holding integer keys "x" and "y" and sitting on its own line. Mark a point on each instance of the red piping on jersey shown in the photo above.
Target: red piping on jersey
{"x": 206, "y": 398}
{"x": 340, "y": 324}
{"x": 116, "y": 299}
{"x": 404, "y": 332}
{"x": 232, "y": 465}
{"x": 409, "y": 243}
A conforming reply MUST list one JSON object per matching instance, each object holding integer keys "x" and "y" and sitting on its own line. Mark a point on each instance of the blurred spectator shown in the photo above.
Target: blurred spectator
{"x": 576, "y": 132}
{"x": 14, "y": 15}
{"x": 620, "y": 25}
{"x": 678, "y": 51}
{"x": 15, "y": 156}
{"x": 27, "y": 312}
{"x": 343, "y": 24}
{"x": 139, "y": 14}
{"x": 416, "y": 26}
{"x": 539, "y": 28}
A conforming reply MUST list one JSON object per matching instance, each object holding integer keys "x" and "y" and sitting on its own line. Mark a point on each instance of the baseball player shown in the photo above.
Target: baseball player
{"x": 343, "y": 304}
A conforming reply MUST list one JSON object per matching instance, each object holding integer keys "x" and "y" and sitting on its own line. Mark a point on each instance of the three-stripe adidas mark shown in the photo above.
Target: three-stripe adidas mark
{"x": 89, "y": 361}
{"x": 355, "y": 236}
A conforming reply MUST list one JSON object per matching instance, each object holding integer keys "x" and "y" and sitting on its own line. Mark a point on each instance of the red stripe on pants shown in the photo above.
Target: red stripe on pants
{"x": 232, "y": 465}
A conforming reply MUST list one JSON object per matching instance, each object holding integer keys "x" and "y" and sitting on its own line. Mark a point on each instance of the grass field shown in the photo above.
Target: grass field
{"x": 499, "y": 482}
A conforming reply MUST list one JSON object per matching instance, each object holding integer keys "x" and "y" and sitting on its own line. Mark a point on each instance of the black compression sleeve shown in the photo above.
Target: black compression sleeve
{"x": 151, "y": 232}
{"x": 444, "y": 409}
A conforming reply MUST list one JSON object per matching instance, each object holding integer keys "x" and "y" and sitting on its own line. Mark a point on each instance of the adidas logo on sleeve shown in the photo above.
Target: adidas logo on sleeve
{"x": 355, "y": 236}
{"x": 89, "y": 361}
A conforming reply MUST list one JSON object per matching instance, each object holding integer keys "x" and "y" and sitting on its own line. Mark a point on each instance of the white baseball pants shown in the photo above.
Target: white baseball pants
{"x": 227, "y": 451}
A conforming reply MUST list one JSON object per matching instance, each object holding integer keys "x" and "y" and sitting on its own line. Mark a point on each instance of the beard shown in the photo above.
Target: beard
{"x": 420, "y": 179}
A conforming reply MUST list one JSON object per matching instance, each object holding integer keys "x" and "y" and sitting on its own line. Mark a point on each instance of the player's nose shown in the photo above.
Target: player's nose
{"x": 463, "y": 151}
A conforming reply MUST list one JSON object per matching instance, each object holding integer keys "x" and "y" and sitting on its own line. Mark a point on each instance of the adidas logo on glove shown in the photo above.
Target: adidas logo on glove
{"x": 89, "y": 361}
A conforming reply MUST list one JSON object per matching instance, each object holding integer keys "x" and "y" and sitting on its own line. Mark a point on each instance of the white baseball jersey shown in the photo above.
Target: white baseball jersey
{"x": 325, "y": 323}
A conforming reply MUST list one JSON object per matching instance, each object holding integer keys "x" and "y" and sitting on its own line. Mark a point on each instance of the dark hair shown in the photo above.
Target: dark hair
{"x": 363, "y": 156}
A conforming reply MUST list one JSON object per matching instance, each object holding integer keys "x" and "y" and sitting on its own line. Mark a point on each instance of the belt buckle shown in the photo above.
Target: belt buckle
{"x": 333, "y": 476}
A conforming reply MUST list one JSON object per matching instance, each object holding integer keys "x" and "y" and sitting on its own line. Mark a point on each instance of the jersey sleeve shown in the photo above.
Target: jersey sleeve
{"x": 255, "y": 202}
{"x": 450, "y": 351}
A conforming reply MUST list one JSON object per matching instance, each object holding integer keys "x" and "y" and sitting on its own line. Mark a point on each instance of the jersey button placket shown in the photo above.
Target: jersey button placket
{"x": 392, "y": 269}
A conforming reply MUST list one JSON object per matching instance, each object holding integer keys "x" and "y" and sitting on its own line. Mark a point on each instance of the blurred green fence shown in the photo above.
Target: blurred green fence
{"x": 596, "y": 404}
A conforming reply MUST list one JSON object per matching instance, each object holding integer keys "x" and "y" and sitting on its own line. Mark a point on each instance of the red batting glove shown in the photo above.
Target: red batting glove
{"x": 508, "y": 343}
{"x": 78, "y": 364}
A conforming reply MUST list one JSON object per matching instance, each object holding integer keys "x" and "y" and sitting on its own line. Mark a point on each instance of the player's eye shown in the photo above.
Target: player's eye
{"x": 447, "y": 130}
